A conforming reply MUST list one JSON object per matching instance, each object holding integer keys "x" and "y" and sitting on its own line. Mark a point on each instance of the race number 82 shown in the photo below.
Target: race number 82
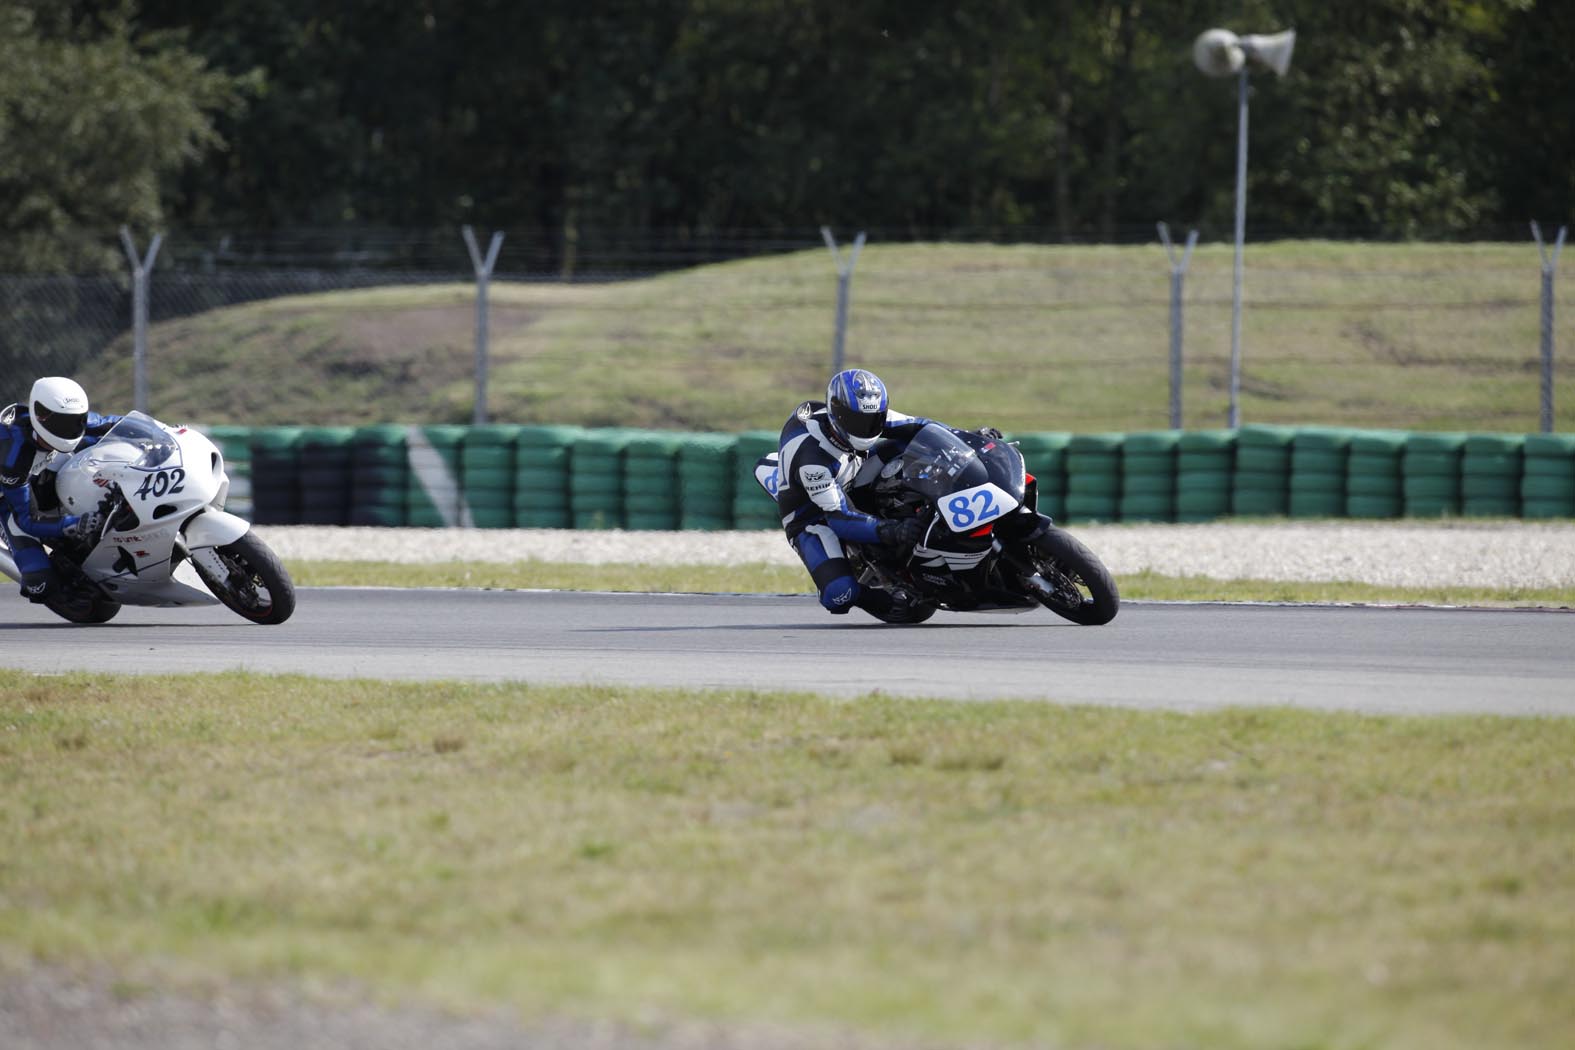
{"x": 977, "y": 506}
{"x": 970, "y": 508}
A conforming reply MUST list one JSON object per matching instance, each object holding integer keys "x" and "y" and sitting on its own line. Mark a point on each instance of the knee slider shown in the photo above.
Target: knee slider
{"x": 838, "y": 595}
{"x": 41, "y": 585}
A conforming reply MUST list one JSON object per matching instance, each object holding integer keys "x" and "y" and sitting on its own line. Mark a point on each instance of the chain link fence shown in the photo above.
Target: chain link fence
{"x": 1444, "y": 336}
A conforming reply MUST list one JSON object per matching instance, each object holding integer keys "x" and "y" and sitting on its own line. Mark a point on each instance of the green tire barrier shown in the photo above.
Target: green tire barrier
{"x": 1372, "y": 474}
{"x": 752, "y": 508}
{"x": 434, "y": 498}
{"x": 1430, "y": 474}
{"x": 379, "y": 476}
{"x": 1261, "y": 482}
{"x": 1358, "y": 506}
{"x": 596, "y": 479}
{"x": 1318, "y": 472}
{"x": 541, "y": 476}
{"x": 324, "y": 456}
{"x": 276, "y": 493}
{"x": 1313, "y": 504}
{"x": 1491, "y": 466}
{"x": 706, "y": 473}
{"x": 1205, "y": 463}
{"x": 1148, "y": 476}
{"x": 486, "y": 470}
{"x": 1547, "y": 487}
{"x": 650, "y": 481}
{"x": 1044, "y": 456}
{"x": 570, "y": 477}
{"x": 1093, "y": 477}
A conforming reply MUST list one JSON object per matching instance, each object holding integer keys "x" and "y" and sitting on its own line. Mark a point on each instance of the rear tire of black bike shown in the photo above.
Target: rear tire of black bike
{"x": 1066, "y": 565}
{"x": 257, "y": 586}
{"x": 906, "y": 614}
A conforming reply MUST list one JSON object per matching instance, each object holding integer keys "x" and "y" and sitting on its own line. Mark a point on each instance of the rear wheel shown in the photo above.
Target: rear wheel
{"x": 917, "y": 612}
{"x": 1081, "y": 588}
{"x": 76, "y": 598}
{"x": 83, "y": 606}
{"x": 248, "y": 578}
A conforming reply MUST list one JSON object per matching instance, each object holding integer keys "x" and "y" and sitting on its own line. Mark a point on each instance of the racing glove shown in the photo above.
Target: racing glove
{"x": 990, "y": 432}
{"x": 899, "y": 532}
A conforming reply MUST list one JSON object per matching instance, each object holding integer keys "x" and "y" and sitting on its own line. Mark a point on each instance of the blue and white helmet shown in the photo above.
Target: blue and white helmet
{"x": 856, "y": 402}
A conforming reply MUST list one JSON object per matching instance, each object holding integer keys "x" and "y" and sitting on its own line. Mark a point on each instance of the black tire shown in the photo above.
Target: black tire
{"x": 1069, "y": 567}
{"x": 256, "y": 587}
{"x": 906, "y": 614}
{"x": 83, "y": 609}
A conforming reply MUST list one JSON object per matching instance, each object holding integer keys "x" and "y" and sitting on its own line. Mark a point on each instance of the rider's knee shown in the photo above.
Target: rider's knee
{"x": 839, "y": 595}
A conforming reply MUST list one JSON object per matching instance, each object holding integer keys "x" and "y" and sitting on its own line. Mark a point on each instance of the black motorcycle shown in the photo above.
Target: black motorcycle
{"x": 985, "y": 547}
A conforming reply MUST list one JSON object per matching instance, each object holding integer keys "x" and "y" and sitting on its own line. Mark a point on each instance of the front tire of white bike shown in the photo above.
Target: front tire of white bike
{"x": 253, "y": 582}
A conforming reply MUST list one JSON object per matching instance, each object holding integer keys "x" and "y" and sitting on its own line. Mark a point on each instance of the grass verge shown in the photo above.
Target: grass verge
{"x": 994, "y": 871}
{"x": 777, "y": 579}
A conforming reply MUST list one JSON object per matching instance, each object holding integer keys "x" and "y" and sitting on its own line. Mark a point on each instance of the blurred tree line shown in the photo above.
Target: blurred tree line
{"x": 1081, "y": 119}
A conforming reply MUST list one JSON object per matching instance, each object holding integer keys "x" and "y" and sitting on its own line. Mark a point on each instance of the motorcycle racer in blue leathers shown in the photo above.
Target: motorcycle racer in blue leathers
{"x": 822, "y": 447}
{"x": 34, "y": 437}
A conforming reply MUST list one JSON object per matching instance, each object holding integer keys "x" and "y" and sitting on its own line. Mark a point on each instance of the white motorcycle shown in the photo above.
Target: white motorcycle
{"x": 161, "y": 491}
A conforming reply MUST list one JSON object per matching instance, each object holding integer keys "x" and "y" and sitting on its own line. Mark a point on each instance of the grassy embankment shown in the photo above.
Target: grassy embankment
{"x": 984, "y": 872}
{"x": 1029, "y": 338}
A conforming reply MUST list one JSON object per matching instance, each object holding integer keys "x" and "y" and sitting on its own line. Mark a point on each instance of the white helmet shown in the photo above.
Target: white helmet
{"x": 58, "y": 407}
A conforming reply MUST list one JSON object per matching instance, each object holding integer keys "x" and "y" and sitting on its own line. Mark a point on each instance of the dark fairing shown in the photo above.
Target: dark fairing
{"x": 939, "y": 461}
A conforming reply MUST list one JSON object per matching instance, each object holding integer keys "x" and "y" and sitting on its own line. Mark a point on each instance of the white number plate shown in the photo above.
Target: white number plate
{"x": 976, "y": 507}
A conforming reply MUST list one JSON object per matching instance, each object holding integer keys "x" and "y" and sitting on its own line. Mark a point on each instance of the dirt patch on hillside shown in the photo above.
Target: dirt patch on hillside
{"x": 49, "y": 1009}
{"x": 395, "y": 332}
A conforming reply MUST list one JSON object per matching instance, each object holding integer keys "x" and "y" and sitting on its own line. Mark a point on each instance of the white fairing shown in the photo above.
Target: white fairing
{"x": 215, "y": 528}
{"x": 172, "y": 480}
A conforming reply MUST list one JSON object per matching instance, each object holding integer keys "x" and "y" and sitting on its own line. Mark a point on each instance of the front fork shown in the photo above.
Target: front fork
{"x": 1027, "y": 576}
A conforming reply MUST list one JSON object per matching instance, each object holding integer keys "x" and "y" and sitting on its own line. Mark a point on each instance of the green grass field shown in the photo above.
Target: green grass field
{"x": 1025, "y": 337}
{"x": 994, "y": 873}
{"x": 778, "y": 579}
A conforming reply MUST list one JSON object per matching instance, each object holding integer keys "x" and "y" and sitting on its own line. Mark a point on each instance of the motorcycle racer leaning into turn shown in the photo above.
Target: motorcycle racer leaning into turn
{"x": 823, "y": 445}
{"x": 35, "y": 439}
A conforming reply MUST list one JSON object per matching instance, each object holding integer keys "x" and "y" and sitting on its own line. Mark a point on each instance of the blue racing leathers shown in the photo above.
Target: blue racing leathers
{"x": 24, "y": 512}
{"x": 814, "y": 468}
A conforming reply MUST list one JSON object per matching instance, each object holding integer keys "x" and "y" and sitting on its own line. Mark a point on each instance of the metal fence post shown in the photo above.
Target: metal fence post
{"x": 483, "y": 268}
{"x": 1178, "y": 272}
{"x": 141, "y": 267}
{"x": 1549, "y": 267}
{"x": 844, "y": 280}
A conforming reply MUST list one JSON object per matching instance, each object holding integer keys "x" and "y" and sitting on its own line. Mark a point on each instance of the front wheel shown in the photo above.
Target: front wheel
{"x": 1081, "y": 588}
{"x": 248, "y": 578}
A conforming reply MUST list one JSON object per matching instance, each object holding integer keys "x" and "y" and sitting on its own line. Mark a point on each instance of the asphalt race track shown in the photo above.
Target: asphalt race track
{"x": 1182, "y": 656}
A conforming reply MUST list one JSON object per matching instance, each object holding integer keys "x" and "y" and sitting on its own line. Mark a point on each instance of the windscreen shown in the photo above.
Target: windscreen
{"x": 148, "y": 444}
{"x": 936, "y": 463}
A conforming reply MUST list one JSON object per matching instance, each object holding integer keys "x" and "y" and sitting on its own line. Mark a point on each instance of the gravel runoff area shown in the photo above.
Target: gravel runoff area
{"x": 1400, "y": 554}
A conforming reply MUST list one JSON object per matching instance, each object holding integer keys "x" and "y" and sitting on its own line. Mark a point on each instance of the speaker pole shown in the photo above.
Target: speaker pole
{"x": 1217, "y": 53}
{"x": 1241, "y": 231}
